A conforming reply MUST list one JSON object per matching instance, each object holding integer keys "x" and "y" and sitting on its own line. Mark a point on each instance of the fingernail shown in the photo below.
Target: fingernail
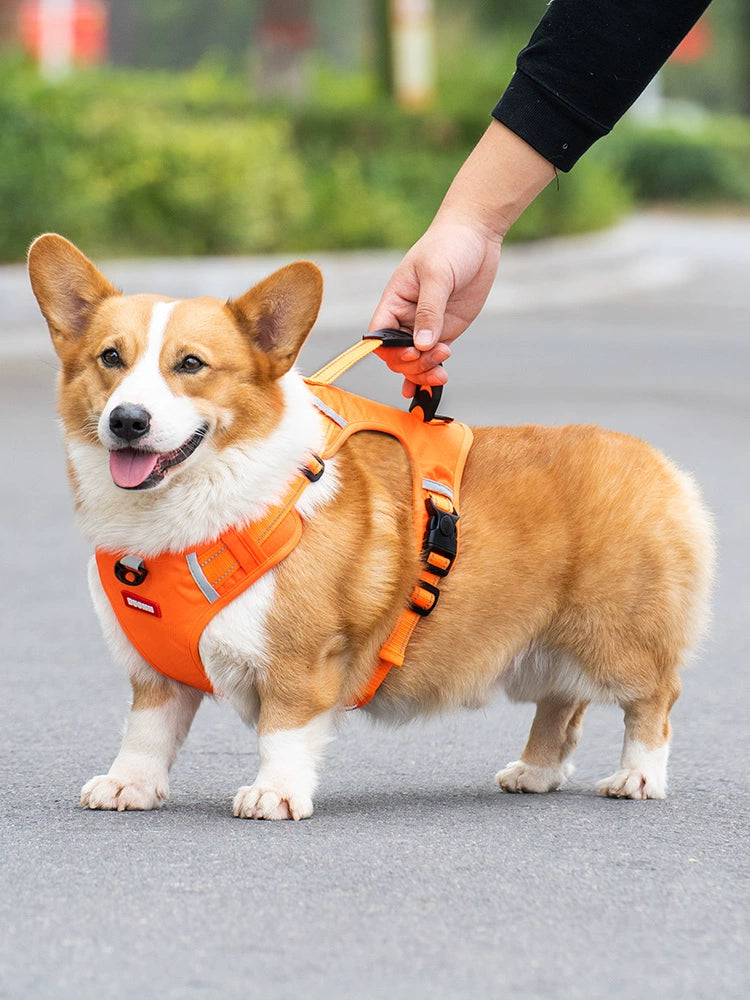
{"x": 423, "y": 339}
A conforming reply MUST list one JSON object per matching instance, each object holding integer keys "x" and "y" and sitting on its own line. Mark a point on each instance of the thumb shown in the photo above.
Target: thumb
{"x": 428, "y": 319}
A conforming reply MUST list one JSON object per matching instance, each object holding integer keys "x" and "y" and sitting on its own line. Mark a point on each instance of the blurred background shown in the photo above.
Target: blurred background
{"x": 191, "y": 127}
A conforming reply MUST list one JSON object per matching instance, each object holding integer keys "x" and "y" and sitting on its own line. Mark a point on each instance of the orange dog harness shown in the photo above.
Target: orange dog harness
{"x": 164, "y": 603}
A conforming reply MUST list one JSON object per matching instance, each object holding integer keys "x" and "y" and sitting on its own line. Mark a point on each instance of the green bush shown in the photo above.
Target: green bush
{"x": 160, "y": 163}
{"x": 35, "y": 150}
{"x": 163, "y": 185}
{"x": 375, "y": 175}
{"x": 156, "y": 163}
{"x": 701, "y": 161}
{"x": 143, "y": 166}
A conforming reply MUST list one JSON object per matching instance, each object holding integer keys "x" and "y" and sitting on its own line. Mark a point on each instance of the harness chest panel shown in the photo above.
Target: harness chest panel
{"x": 165, "y": 602}
{"x": 164, "y": 615}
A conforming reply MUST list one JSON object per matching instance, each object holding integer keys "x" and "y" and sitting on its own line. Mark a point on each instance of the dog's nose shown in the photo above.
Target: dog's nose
{"x": 129, "y": 422}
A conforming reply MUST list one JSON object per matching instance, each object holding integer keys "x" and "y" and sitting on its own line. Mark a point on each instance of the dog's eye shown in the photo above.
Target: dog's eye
{"x": 190, "y": 364}
{"x": 111, "y": 358}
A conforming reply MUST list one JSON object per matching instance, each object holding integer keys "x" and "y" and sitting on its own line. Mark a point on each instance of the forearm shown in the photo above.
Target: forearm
{"x": 585, "y": 65}
{"x": 499, "y": 179}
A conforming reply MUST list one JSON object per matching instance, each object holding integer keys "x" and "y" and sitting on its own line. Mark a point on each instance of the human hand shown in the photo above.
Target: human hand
{"x": 437, "y": 291}
{"x": 442, "y": 283}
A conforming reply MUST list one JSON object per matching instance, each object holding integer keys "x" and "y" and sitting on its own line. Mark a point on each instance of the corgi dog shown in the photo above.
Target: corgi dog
{"x": 583, "y": 573}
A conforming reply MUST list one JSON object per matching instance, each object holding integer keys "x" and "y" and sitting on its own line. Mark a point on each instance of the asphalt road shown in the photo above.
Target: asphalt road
{"x": 415, "y": 878}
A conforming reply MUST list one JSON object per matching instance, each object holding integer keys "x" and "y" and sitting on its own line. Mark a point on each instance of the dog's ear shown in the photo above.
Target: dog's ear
{"x": 278, "y": 313}
{"x": 66, "y": 284}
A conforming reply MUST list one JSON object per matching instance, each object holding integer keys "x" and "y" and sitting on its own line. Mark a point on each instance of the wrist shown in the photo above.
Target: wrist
{"x": 499, "y": 179}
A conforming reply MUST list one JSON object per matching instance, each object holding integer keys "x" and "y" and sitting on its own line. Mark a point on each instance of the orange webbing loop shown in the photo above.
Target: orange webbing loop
{"x": 369, "y": 343}
{"x": 330, "y": 372}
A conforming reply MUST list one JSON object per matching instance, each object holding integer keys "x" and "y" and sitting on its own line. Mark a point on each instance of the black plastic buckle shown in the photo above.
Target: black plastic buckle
{"x": 308, "y": 472}
{"x": 423, "y": 612}
{"x": 441, "y": 536}
{"x": 427, "y": 398}
{"x": 131, "y": 570}
{"x": 392, "y": 338}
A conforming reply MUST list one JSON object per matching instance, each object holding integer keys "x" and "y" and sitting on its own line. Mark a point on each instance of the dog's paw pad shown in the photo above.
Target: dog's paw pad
{"x": 632, "y": 783}
{"x": 259, "y": 802}
{"x": 521, "y": 777}
{"x": 105, "y": 792}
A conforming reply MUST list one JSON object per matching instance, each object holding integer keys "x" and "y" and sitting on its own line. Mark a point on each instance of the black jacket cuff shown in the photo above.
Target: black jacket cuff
{"x": 547, "y": 124}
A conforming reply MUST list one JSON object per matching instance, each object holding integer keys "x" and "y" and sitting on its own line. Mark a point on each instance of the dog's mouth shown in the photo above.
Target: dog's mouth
{"x": 135, "y": 469}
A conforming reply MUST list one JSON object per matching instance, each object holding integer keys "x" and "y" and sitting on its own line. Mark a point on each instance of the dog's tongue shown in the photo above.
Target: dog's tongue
{"x": 130, "y": 468}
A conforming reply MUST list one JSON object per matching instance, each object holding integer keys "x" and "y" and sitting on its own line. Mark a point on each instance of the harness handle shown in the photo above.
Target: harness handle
{"x": 426, "y": 398}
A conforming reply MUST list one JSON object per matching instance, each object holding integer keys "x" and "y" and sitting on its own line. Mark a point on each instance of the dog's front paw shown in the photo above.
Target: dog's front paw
{"x": 106, "y": 792}
{"x": 633, "y": 783}
{"x": 259, "y": 801}
{"x": 521, "y": 777}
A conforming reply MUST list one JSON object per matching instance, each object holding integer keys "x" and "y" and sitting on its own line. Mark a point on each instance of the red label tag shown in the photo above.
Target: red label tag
{"x": 138, "y": 603}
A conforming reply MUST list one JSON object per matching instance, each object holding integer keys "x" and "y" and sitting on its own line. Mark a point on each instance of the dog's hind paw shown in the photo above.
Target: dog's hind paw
{"x": 105, "y": 792}
{"x": 259, "y": 802}
{"x": 521, "y": 777}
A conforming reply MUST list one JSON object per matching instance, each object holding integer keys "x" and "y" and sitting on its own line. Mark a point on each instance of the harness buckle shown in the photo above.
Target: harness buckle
{"x": 441, "y": 538}
{"x": 314, "y": 469}
{"x": 131, "y": 570}
{"x": 427, "y": 399}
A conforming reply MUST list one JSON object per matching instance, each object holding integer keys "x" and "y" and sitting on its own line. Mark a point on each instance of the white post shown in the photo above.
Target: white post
{"x": 413, "y": 51}
{"x": 56, "y": 38}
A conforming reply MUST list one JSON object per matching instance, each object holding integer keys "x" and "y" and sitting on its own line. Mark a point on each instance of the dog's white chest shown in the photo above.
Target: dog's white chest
{"x": 234, "y": 645}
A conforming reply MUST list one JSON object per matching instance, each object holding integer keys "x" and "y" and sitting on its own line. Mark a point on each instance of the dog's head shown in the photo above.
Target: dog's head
{"x": 153, "y": 379}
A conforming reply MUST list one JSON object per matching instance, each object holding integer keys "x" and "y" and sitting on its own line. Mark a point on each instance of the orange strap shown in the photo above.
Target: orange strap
{"x": 437, "y": 451}
{"x": 423, "y": 599}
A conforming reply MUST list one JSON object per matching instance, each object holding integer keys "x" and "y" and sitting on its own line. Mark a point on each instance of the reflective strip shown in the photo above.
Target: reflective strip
{"x": 435, "y": 487}
{"x": 335, "y": 417}
{"x": 198, "y": 575}
{"x": 132, "y": 562}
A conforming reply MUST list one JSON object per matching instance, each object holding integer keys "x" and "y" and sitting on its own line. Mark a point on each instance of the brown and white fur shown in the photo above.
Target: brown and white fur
{"x": 583, "y": 574}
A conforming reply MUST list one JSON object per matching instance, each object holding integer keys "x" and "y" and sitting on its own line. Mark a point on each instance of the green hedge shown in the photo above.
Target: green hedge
{"x": 153, "y": 163}
{"x": 143, "y": 165}
{"x": 701, "y": 160}
{"x": 150, "y": 163}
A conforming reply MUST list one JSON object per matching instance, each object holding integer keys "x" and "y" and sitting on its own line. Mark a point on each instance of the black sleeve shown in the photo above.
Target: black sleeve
{"x": 585, "y": 64}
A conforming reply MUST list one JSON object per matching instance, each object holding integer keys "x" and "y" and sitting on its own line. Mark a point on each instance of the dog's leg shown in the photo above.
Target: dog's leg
{"x": 288, "y": 772}
{"x": 554, "y": 735}
{"x": 645, "y": 749}
{"x": 160, "y": 718}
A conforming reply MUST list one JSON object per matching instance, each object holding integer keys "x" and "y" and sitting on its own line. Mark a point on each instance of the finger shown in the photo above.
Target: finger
{"x": 434, "y": 376}
{"x": 394, "y": 356}
{"x": 410, "y": 362}
{"x": 428, "y": 318}
{"x": 424, "y": 340}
